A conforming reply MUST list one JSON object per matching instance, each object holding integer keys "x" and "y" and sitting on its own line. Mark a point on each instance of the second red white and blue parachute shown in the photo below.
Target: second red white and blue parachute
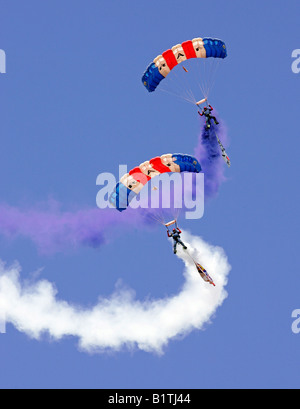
{"x": 133, "y": 182}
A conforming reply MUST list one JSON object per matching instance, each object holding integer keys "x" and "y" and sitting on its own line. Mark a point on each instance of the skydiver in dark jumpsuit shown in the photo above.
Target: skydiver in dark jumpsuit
{"x": 206, "y": 111}
{"x": 175, "y": 234}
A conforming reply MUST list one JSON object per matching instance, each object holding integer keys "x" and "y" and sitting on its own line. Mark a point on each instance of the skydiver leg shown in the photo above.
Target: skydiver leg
{"x": 207, "y": 122}
{"x": 183, "y": 245}
{"x": 174, "y": 247}
{"x": 215, "y": 120}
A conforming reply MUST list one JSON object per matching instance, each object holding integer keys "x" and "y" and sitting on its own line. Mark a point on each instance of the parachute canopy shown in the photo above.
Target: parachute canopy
{"x": 133, "y": 182}
{"x": 164, "y": 63}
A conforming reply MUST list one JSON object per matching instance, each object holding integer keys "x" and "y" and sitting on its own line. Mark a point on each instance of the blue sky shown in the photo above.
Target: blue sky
{"x": 73, "y": 105}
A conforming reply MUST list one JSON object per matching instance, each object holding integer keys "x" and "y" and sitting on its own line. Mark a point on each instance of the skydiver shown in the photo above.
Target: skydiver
{"x": 206, "y": 111}
{"x": 175, "y": 234}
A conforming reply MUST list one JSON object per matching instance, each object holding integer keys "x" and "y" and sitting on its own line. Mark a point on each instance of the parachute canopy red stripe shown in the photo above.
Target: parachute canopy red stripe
{"x": 139, "y": 176}
{"x": 170, "y": 58}
{"x": 158, "y": 165}
{"x": 189, "y": 49}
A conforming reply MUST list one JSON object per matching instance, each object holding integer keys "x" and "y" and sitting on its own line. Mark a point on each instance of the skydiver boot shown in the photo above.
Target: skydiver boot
{"x": 183, "y": 245}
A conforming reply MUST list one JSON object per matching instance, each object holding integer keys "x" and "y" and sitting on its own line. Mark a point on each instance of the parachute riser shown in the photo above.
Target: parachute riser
{"x": 171, "y": 223}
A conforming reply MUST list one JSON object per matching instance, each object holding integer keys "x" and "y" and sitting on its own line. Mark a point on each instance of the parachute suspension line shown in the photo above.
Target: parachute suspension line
{"x": 201, "y": 75}
{"x": 158, "y": 213}
{"x": 205, "y": 77}
{"x": 192, "y": 98}
{"x": 176, "y": 95}
{"x": 207, "y": 73}
{"x": 214, "y": 73}
{"x": 176, "y": 214}
{"x": 186, "y": 88}
{"x": 187, "y": 252}
{"x": 160, "y": 220}
{"x": 180, "y": 86}
{"x": 162, "y": 89}
{"x": 168, "y": 83}
{"x": 202, "y": 90}
{"x": 214, "y": 65}
{"x": 161, "y": 217}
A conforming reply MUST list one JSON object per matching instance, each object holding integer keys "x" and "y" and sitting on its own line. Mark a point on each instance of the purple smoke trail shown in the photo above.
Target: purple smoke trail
{"x": 53, "y": 230}
{"x": 209, "y": 155}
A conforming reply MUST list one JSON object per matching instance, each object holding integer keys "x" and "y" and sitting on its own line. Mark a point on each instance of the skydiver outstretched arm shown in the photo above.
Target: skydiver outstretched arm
{"x": 210, "y": 107}
{"x": 168, "y": 233}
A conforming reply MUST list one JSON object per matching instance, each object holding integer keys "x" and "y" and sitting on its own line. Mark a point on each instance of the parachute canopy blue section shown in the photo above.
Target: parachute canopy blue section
{"x": 152, "y": 77}
{"x": 121, "y": 197}
{"x": 214, "y": 48}
{"x": 187, "y": 163}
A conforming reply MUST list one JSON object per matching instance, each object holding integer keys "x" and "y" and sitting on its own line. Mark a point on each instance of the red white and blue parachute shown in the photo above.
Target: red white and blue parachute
{"x": 133, "y": 182}
{"x": 196, "y": 48}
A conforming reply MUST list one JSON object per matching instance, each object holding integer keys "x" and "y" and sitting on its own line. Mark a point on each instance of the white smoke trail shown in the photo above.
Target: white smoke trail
{"x": 120, "y": 320}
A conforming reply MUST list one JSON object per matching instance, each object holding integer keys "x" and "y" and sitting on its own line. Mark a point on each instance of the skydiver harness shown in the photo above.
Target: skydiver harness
{"x": 206, "y": 111}
{"x": 175, "y": 235}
